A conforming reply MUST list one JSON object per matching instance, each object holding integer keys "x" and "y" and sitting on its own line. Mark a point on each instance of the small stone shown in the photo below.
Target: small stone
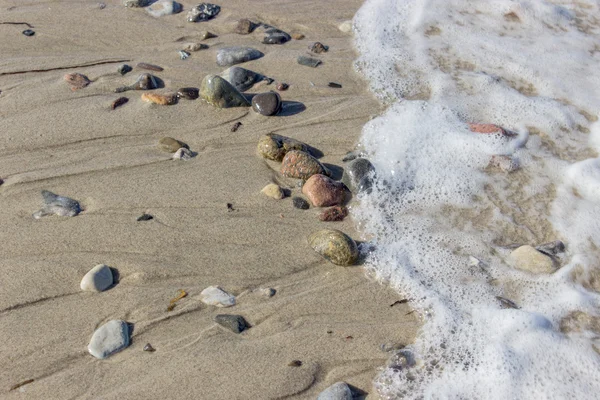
{"x": 334, "y": 245}
{"x": 157, "y": 98}
{"x": 206, "y": 35}
{"x": 215, "y": 296}
{"x": 188, "y": 93}
{"x": 353, "y": 155}
{"x": 171, "y": 145}
{"x": 244, "y": 26}
{"x": 183, "y": 54}
{"x": 235, "y": 55}
{"x": 118, "y": 102}
{"x": 552, "y": 248}
{"x": 137, "y": 3}
{"x": 266, "y": 103}
{"x": 98, "y": 279}
{"x": 77, "y": 81}
{"x": 295, "y": 363}
{"x": 235, "y": 323}
{"x": 318, "y": 48}
{"x": 275, "y": 147}
{"x": 1, "y": 181}
{"x": 267, "y": 292}
{"x": 504, "y": 163}
{"x": 337, "y": 391}
{"x": 297, "y": 36}
{"x": 300, "y": 203}
{"x": 148, "y": 347}
{"x": 150, "y": 67}
{"x": 309, "y": 61}
{"x": 337, "y": 213}
{"x": 527, "y": 258}
{"x": 109, "y": 339}
{"x": 144, "y": 82}
{"x": 195, "y": 47}
{"x": 301, "y": 165}
{"x": 183, "y": 154}
{"x": 274, "y": 191}
{"x": 276, "y": 36}
{"x": 345, "y": 26}
{"x": 390, "y": 346}
{"x": 220, "y": 93}
{"x": 241, "y": 78}
{"x": 124, "y": 68}
{"x": 164, "y": 7}
{"x": 144, "y": 217}
{"x": 490, "y": 129}
{"x": 578, "y": 321}
{"x": 203, "y": 12}
{"x": 57, "y": 205}
{"x": 282, "y": 86}
{"x": 402, "y": 360}
{"x": 236, "y": 126}
{"x": 334, "y": 85}
{"x": 28, "y": 32}
{"x": 322, "y": 191}
{"x": 358, "y": 175}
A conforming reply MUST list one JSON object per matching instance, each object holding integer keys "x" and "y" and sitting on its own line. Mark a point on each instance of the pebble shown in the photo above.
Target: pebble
{"x": 144, "y": 82}
{"x": 267, "y": 103}
{"x": 235, "y": 55}
{"x": 109, "y": 339}
{"x": 295, "y": 363}
{"x": 322, "y": 191}
{"x": 504, "y": 163}
{"x": 309, "y": 61}
{"x": 358, "y": 175}
{"x": 144, "y": 217}
{"x": 124, "y": 68}
{"x": 337, "y": 391}
{"x": 188, "y": 93}
{"x": 337, "y": 213}
{"x": 215, "y": 296}
{"x": 28, "y": 32}
{"x": 274, "y": 191}
{"x": 206, "y": 35}
{"x": 345, "y": 26}
{"x": 282, "y": 86}
{"x": 195, "y": 47}
{"x": 98, "y": 279}
{"x": 183, "y": 54}
{"x": 297, "y": 36}
{"x": 236, "y": 126}
{"x": 220, "y": 93}
{"x": 276, "y": 36}
{"x": 183, "y": 154}
{"x": 162, "y": 99}
{"x": 150, "y": 67}
{"x": 137, "y": 3}
{"x": 77, "y": 81}
{"x": 527, "y": 258}
{"x": 275, "y": 147}
{"x": 335, "y": 246}
{"x": 171, "y": 145}
{"x": 148, "y": 347}
{"x": 203, "y": 12}
{"x": 353, "y": 155}
{"x": 235, "y": 323}
{"x": 267, "y": 292}
{"x": 164, "y": 7}
{"x": 552, "y": 248}
{"x": 589, "y": 278}
{"x": 244, "y": 26}
{"x": 118, "y": 102}
{"x": 490, "y": 129}
{"x": 334, "y": 85}
{"x": 318, "y": 47}
{"x": 300, "y": 203}
{"x": 1, "y": 181}
{"x": 301, "y": 165}
{"x": 57, "y": 205}
{"x": 243, "y": 79}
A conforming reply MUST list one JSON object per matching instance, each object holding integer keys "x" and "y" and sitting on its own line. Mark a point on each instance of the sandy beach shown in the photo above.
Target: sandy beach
{"x": 333, "y": 319}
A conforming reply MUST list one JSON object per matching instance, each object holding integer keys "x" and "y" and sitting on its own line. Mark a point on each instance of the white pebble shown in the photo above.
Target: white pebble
{"x": 183, "y": 154}
{"x": 215, "y": 296}
{"x": 109, "y": 339}
{"x": 97, "y": 279}
{"x": 164, "y": 7}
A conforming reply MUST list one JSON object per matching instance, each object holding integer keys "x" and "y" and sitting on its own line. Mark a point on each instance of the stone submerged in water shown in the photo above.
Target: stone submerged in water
{"x": 337, "y": 213}
{"x": 358, "y": 175}
{"x": 77, "y": 81}
{"x": 527, "y": 258}
{"x": 171, "y": 145}
{"x": 235, "y": 323}
{"x": 220, "y": 93}
{"x": 98, "y": 279}
{"x": 236, "y": 55}
{"x": 308, "y": 61}
{"x": 504, "y": 163}
{"x": 164, "y": 7}
{"x": 57, "y": 205}
{"x": 337, "y": 391}
{"x": 188, "y": 93}
{"x": 273, "y": 191}
{"x": 552, "y": 248}
{"x": 109, "y": 339}
{"x": 215, "y": 296}
{"x": 203, "y": 12}
{"x": 275, "y": 147}
{"x": 300, "y": 203}
{"x": 161, "y": 99}
{"x": 301, "y": 165}
{"x": 243, "y": 79}
{"x": 267, "y": 104}
{"x": 335, "y": 246}
{"x": 578, "y": 321}
{"x": 322, "y": 191}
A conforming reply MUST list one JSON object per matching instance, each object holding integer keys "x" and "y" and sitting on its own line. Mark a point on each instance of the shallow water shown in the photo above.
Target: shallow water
{"x": 530, "y": 67}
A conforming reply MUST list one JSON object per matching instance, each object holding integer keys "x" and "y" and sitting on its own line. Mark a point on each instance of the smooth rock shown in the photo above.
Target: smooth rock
{"x": 203, "y": 12}
{"x": 337, "y": 391}
{"x": 243, "y": 79}
{"x": 244, "y": 26}
{"x": 551, "y": 248}
{"x": 337, "y": 213}
{"x": 335, "y": 246}
{"x": 345, "y": 26}
{"x": 300, "y": 203}
{"x": 144, "y": 217}
{"x": 318, "y": 47}
{"x": 137, "y": 3}
{"x": 274, "y": 191}
{"x": 206, "y": 35}
{"x": 98, "y": 279}
{"x": 358, "y": 175}
{"x": 301, "y": 165}
{"x": 77, "y": 81}
{"x": 275, "y": 147}
{"x": 118, "y": 102}
{"x": 490, "y": 129}
{"x": 144, "y": 82}
{"x": 164, "y": 7}
{"x": 235, "y": 323}
{"x": 276, "y": 36}
{"x": 150, "y": 67}
{"x": 220, "y": 93}
{"x": 308, "y": 61}
{"x": 215, "y": 296}
{"x": 527, "y": 258}
{"x": 161, "y": 99}
{"x": 322, "y": 191}
{"x": 235, "y": 55}
{"x": 124, "y": 68}
{"x": 57, "y": 205}
{"x": 282, "y": 86}
{"x": 171, "y": 145}
{"x": 189, "y": 93}
{"x": 109, "y": 339}
{"x": 267, "y": 104}
{"x": 195, "y": 47}
{"x": 28, "y": 32}
{"x": 183, "y": 154}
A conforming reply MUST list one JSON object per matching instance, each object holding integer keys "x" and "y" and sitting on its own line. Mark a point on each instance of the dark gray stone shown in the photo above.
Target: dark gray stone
{"x": 203, "y": 12}
{"x": 276, "y": 36}
{"x": 123, "y": 69}
{"x": 358, "y": 175}
{"x": 243, "y": 79}
{"x": 57, "y": 205}
{"x": 235, "y": 323}
{"x": 300, "y": 203}
{"x": 266, "y": 103}
{"x": 220, "y": 93}
{"x": 309, "y": 61}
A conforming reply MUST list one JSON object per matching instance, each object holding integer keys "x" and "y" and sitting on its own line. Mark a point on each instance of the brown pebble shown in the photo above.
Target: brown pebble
{"x": 236, "y": 126}
{"x": 118, "y": 102}
{"x": 244, "y": 27}
{"x": 295, "y": 363}
{"x": 297, "y": 36}
{"x": 150, "y": 67}
{"x": 188, "y": 93}
{"x": 301, "y": 165}
{"x": 162, "y": 99}
{"x": 318, "y": 47}
{"x": 282, "y": 86}
{"x": 77, "y": 81}
{"x": 337, "y": 213}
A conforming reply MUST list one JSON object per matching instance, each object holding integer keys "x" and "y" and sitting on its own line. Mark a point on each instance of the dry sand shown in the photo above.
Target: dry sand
{"x": 71, "y": 143}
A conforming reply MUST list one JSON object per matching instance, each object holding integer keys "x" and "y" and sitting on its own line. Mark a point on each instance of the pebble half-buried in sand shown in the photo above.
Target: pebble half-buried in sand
{"x": 57, "y": 205}
{"x": 98, "y": 279}
{"x": 110, "y": 338}
{"x": 275, "y": 147}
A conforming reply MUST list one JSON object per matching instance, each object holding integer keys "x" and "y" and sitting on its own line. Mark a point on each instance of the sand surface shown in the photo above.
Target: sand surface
{"x": 73, "y": 144}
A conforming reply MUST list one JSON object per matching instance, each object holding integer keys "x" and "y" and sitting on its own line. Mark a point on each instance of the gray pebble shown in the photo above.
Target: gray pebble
{"x": 57, "y": 205}
{"x": 109, "y": 339}
{"x": 309, "y": 61}
{"x": 552, "y": 248}
{"x": 266, "y": 103}
{"x": 235, "y": 323}
{"x": 358, "y": 175}
{"x": 337, "y": 391}
{"x": 235, "y": 55}
{"x": 123, "y": 69}
{"x": 243, "y": 79}
{"x": 300, "y": 203}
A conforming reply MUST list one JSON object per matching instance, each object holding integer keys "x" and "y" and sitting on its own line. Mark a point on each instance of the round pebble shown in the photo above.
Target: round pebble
{"x": 275, "y": 147}
{"x": 110, "y": 338}
{"x": 301, "y": 165}
{"x": 98, "y": 279}
{"x": 266, "y": 103}
{"x": 334, "y": 245}
{"x": 323, "y": 191}
{"x": 274, "y": 191}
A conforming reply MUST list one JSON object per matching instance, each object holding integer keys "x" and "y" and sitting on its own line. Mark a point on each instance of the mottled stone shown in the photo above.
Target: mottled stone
{"x": 215, "y": 296}
{"x": 144, "y": 82}
{"x": 300, "y": 203}
{"x": 183, "y": 154}
{"x": 552, "y": 248}
{"x": 274, "y": 191}
{"x": 98, "y": 279}
{"x": 334, "y": 245}
{"x": 77, "y": 81}
{"x": 337, "y": 213}
{"x": 109, "y": 339}
{"x": 235, "y": 55}
{"x": 164, "y": 7}
{"x": 159, "y": 98}
{"x": 527, "y": 258}
{"x": 282, "y": 86}
{"x": 322, "y": 191}
{"x": 235, "y": 323}
{"x": 57, "y": 205}
{"x": 243, "y": 79}
{"x": 318, "y": 47}
{"x": 275, "y": 147}
{"x": 220, "y": 93}
{"x": 203, "y": 12}
{"x": 171, "y": 145}
{"x": 504, "y": 163}
{"x": 195, "y": 47}
{"x": 124, "y": 68}
{"x": 301, "y": 165}
{"x": 188, "y": 93}
{"x": 308, "y": 61}
{"x": 358, "y": 175}
{"x": 337, "y": 391}
{"x": 578, "y": 321}
{"x": 137, "y": 3}
{"x": 266, "y": 103}
{"x": 244, "y": 26}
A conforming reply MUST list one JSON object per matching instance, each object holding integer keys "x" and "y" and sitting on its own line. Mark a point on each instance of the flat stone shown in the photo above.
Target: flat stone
{"x": 527, "y": 258}
{"x": 220, "y": 93}
{"x": 215, "y": 296}
{"x": 98, "y": 279}
{"x": 266, "y": 103}
{"x": 161, "y": 99}
{"x": 164, "y": 7}
{"x": 243, "y": 79}
{"x": 275, "y": 147}
{"x": 195, "y": 47}
{"x": 110, "y": 338}
{"x": 57, "y": 205}
{"x": 244, "y": 26}
{"x": 322, "y": 191}
{"x": 358, "y": 175}
{"x": 188, "y": 93}
{"x": 309, "y": 61}
{"x": 203, "y": 12}
{"x": 235, "y": 55}
{"x": 337, "y": 391}
{"x": 335, "y": 246}
{"x": 77, "y": 81}
{"x": 301, "y": 165}
{"x": 274, "y": 191}
{"x": 171, "y": 145}
{"x": 300, "y": 203}
{"x": 276, "y": 36}
{"x": 183, "y": 154}
{"x": 235, "y": 323}
{"x": 337, "y": 213}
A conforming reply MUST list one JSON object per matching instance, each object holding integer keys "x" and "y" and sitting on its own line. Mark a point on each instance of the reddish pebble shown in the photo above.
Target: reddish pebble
{"x": 337, "y": 213}
{"x": 301, "y": 165}
{"x": 323, "y": 191}
{"x": 77, "y": 81}
{"x": 490, "y": 129}
{"x": 282, "y": 86}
